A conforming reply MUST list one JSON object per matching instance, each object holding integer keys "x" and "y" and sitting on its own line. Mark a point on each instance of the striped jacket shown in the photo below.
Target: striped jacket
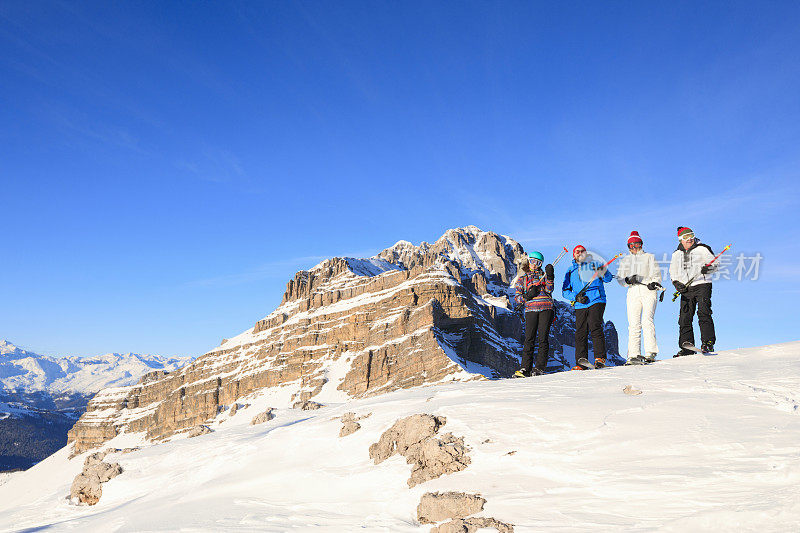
{"x": 544, "y": 300}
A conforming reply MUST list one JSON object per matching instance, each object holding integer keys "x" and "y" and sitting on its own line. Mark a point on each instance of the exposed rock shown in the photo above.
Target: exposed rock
{"x": 234, "y": 408}
{"x": 86, "y": 489}
{"x": 433, "y": 458}
{"x": 87, "y": 486}
{"x": 471, "y": 525}
{"x": 95, "y": 458}
{"x": 92, "y": 435}
{"x": 260, "y": 418}
{"x": 439, "y": 506}
{"x": 350, "y": 423}
{"x": 129, "y": 450}
{"x": 199, "y": 430}
{"x": 352, "y": 417}
{"x": 306, "y": 405}
{"x": 348, "y": 428}
{"x": 412, "y": 437}
{"x": 103, "y": 471}
{"x": 410, "y": 316}
{"x": 629, "y": 389}
{"x": 405, "y": 433}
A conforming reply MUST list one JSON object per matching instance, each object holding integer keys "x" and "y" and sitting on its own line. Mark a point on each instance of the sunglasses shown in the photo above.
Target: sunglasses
{"x": 635, "y": 245}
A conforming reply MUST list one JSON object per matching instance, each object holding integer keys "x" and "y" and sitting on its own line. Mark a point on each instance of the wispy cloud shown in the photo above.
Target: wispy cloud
{"x": 605, "y": 225}
{"x": 272, "y": 269}
{"x": 214, "y": 164}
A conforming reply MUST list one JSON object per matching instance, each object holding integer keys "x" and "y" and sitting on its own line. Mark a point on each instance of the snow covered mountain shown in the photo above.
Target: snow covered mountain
{"x": 695, "y": 444}
{"x": 41, "y": 397}
{"x": 24, "y": 371}
{"x": 350, "y": 328}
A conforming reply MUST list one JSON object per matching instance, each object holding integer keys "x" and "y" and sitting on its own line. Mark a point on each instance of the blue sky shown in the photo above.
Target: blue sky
{"x": 165, "y": 168}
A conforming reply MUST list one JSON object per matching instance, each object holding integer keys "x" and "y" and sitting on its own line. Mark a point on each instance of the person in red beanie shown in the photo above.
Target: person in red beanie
{"x": 689, "y": 265}
{"x": 639, "y": 273}
{"x": 589, "y": 306}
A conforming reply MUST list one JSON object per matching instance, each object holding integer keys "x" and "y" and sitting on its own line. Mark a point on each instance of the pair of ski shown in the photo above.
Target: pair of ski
{"x": 689, "y": 346}
{"x": 584, "y": 364}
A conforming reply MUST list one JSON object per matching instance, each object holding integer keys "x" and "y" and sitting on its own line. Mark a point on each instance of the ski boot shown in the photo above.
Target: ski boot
{"x": 537, "y": 372}
{"x": 635, "y": 360}
{"x": 650, "y": 358}
{"x": 521, "y": 373}
{"x": 682, "y": 352}
{"x": 583, "y": 364}
{"x": 599, "y": 363}
{"x": 707, "y": 347}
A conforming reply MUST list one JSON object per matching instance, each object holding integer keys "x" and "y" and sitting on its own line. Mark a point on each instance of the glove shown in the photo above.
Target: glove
{"x": 532, "y": 292}
{"x": 680, "y": 287}
{"x": 549, "y": 272}
{"x": 582, "y": 299}
{"x": 706, "y": 269}
{"x": 632, "y": 280}
{"x": 653, "y": 285}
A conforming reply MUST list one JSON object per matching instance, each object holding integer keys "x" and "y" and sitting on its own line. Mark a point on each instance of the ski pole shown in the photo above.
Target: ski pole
{"x": 677, "y": 293}
{"x": 594, "y": 277}
{"x": 560, "y": 256}
{"x": 660, "y": 288}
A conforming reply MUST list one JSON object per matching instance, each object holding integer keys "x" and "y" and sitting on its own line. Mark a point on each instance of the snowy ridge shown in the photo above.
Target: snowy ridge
{"x": 25, "y": 371}
{"x": 709, "y": 444}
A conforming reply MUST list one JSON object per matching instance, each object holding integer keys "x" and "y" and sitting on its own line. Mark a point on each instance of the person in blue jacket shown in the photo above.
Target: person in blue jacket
{"x": 589, "y": 306}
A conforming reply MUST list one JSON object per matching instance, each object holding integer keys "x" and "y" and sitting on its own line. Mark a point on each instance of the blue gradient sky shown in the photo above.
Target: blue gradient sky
{"x": 165, "y": 168}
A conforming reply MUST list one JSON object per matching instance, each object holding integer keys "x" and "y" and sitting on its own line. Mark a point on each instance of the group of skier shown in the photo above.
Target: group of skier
{"x": 690, "y": 270}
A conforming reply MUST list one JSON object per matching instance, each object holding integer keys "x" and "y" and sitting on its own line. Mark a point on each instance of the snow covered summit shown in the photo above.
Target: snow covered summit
{"x": 25, "y": 371}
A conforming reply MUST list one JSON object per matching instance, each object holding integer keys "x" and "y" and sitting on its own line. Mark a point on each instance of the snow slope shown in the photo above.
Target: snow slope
{"x": 710, "y": 445}
{"x": 26, "y": 371}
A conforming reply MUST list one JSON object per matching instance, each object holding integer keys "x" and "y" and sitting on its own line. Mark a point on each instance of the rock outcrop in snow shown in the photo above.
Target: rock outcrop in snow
{"x": 349, "y": 328}
{"x": 440, "y": 506}
{"x": 413, "y": 438}
{"x": 87, "y": 486}
{"x": 260, "y": 418}
{"x": 473, "y": 525}
{"x": 350, "y": 423}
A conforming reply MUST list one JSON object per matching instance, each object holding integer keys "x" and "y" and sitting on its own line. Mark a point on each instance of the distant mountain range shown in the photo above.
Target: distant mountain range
{"x": 41, "y": 397}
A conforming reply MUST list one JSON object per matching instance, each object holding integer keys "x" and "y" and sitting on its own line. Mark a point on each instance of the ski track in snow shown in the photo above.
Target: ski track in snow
{"x": 710, "y": 445}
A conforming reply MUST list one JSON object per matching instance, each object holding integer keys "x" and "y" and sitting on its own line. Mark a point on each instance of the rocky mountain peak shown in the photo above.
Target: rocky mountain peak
{"x": 348, "y": 328}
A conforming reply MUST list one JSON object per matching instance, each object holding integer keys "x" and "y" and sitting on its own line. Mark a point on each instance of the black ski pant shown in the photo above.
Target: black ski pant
{"x": 590, "y": 320}
{"x": 696, "y": 297}
{"x": 537, "y": 331}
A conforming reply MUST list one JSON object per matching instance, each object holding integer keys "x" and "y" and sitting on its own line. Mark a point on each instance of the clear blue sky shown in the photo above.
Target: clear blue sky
{"x": 166, "y": 167}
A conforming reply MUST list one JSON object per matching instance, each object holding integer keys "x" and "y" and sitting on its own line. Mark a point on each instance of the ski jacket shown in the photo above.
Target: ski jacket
{"x": 686, "y": 264}
{"x": 544, "y": 300}
{"x": 579, "y": 275}
{"x": 642, "y": 265}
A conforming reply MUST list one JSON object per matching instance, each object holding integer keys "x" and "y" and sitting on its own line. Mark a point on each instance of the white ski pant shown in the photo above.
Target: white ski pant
{"x": 641, "y": 312}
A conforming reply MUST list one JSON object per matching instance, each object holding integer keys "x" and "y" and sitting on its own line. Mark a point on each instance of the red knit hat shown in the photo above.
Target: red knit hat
{"x": 682, "y": 230}
{"x": 579, "y": 247}
{"x": 634, "y": 238}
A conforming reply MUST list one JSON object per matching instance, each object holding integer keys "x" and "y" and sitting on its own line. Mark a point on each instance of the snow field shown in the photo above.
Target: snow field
{"x": 710, "y": 445}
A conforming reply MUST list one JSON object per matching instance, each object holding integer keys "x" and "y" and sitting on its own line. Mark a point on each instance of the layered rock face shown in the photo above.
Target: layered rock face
{"x": 411, "y": 315}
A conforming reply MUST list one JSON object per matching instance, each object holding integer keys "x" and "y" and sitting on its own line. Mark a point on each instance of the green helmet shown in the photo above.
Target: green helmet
{"x": 537, "y": 255}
